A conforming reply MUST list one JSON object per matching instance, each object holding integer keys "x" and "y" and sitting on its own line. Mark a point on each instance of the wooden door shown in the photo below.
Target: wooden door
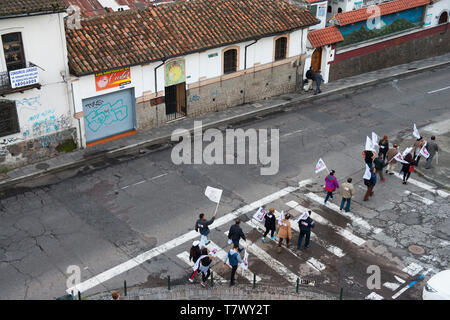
{"x": 181, "y": 98}
{"x": 316, "y": 59}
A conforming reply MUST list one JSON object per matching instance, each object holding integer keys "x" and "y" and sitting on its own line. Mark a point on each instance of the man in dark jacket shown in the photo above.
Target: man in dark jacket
{"x": 305, "y": 224}
{"x": 432, "y": 149}
{"x": 310, "y": 78}
{"x": 370, "y": 183}
{"x": 270, "y": 224}
{"x": 235, "y": 234}
{"x": 379, "y": 165}
{"x": 319, "y": 79}
{"x": 202, "y": 226}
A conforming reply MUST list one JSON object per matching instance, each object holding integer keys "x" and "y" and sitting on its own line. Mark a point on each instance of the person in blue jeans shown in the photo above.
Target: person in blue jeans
{"x": 347, "y": 193}
{"x": 331, "y": 184}
{"x": 201, "y": 225}
{"x": 305, "y": 224}
{"x": 235, "y": 259}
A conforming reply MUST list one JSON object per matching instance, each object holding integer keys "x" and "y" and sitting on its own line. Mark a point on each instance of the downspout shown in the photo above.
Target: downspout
{"x": 245, "y": 61}
{"x": 156, "y": 88}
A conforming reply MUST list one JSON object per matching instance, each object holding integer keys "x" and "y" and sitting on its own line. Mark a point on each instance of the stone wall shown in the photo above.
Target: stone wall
{"x": 390, "y": 53}
{"x": 19, "y": 153}
{"x": 148, "y": 116}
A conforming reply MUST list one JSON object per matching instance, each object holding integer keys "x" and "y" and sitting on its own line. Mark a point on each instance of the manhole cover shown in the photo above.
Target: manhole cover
{"x": 42, "y": 166}
{"x": 416, "y": 249}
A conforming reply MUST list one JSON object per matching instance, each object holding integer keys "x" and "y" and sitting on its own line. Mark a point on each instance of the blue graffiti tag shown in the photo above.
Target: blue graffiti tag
{"x": 106, "y": 114}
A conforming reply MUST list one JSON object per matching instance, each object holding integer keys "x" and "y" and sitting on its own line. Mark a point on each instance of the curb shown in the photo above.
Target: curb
{"x": 433, "y": 180}
{"x": 230, "y": 120}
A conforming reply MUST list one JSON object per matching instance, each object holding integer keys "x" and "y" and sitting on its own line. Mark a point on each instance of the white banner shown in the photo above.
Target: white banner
{"x": 416, "y": 132}
{"x": 280, "y": 220}
{"x": 367, "y": 173}
{"x": 260, "y": 214}
{"x": 369, "y": 145}
{"x": 399, "y": 158}
{"x": 424, "y": 151}
{"x": 213, "y": 194}
{"x": 320, "y": 165}
{"x": 407, "y": 150}
{"x": 374, "y": 139}
{"x": 244, "y": 263}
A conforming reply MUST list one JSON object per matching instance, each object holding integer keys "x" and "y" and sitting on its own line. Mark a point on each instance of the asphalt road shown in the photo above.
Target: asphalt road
{"x": 103, "y": 215}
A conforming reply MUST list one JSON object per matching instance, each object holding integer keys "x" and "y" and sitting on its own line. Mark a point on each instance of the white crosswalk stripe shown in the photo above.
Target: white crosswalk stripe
{"x": 374, "y": 296}
{"x": 357, "y": 220}
{"x": 184, "y": 256}
{"x": 420, "y": 198}
{"x": 221, "y": 254}
{"x": 412, "y": 269}
{"x": 392, "y": 285}
{"x": 347, "y": 234}
{"x": 424, "y": 186}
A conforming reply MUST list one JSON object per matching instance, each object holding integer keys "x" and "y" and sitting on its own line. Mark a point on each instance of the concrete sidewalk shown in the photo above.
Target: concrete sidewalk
{"x": 162, "y": 135}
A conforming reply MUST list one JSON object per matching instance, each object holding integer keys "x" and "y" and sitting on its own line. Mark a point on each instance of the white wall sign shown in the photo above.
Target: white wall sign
{"x": 24, "y": 77}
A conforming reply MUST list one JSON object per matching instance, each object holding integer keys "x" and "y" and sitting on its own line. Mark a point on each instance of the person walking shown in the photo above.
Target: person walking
{"x": 194, "y": 254}
{"x": 310, "y": 78}
{"x": 384, "y": 147}
{"x": 235, "y": 234}
{"x": 331, "y": 184}
{"x": 347, "y": 193}
{"x": 368, "y": 156}
{"x": 370, "y": 183}
{"x": 407, "y": 167}
{"x": 418, "y": 144}
{"x": 235, "y": 259}
{"x": 433, "y": 150}
{"x": 203, "y": 265}
{"x": 379, "y": 166}
{"x": 270, "y": 224}
{"x": 285, "y": 231}
{"x": 391, "y": 162}
{"x": 202, "y": 226}
{"x": 305, "y": 224}
{"x": 319, "y": 79}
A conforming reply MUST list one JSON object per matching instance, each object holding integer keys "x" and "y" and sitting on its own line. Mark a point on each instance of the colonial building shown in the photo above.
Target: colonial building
{"x": 141, "y": 68}
{"x": 35, "y": 109}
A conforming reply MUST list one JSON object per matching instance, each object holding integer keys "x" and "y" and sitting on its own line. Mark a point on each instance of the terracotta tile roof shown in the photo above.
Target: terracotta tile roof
{"x": 89, "y": 8}
{"x": 322, "y": 37}
{"x": 21, "y": 7}
{"x": 349, "y": 17}
{"x": 136, "y": 37}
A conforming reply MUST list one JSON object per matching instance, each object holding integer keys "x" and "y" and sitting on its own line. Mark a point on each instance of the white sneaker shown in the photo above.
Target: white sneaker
{"x": 191, "y": 280}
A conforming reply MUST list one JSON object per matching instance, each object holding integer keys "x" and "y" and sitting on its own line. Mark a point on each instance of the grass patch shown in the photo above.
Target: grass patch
{"x": 4, "y": 170}
{"x": 67, "y": 146}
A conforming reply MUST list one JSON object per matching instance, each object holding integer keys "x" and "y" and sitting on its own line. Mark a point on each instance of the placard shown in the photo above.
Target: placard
{"x": 24, "y": 77}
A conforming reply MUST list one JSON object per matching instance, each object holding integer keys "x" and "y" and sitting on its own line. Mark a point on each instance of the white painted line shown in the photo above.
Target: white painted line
{"x": 434, "y": 91}
{"x": 157, "y": 177}
{"x": 399, "y": 279}
{"x": 291, "y": 133}
{"x": 316, "y": 264}
{"x": 185, "y": 257}
{"x": 412, "y": 269}
{"x": 391, "y": 285}
{"x": 424, "y": 186}
{"x": 143, "y": 257}
{"x": 374, "y": 296}
{"x": 221, "y": 254}
{"x": 360, "y": 221}
{"x": 140, "y": 182}
{"x": 341, "y": 231}
{"x": 420, "y": 198}
{"x": 395, "y": 296}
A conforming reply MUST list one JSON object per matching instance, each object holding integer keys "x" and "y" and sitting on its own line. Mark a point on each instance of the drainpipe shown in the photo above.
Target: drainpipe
{"x": 156, "y": 88}
{"x": 245, "y": 60}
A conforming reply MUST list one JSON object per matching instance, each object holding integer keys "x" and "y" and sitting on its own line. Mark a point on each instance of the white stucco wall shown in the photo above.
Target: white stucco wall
{"x": 434, "y": 11}
{"x": 44, "y": 45}
{"x": 321, "y": 14}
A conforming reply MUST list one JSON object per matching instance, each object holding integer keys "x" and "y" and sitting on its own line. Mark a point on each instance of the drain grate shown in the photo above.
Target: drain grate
{"x": 416, "y": 249}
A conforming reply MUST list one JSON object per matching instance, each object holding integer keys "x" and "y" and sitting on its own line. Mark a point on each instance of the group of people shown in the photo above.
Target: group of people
{"x": 312, "y": 76}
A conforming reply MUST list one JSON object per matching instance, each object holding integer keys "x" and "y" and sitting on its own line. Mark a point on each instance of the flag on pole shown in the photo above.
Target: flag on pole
{"x": 320, "y": 165}
{"x": 399, "y": 158}
{"x": 424, "y": 151}
{"x": 374, "y": 139}
{"x": 259, "y": 215}
{"x": 367, "y": 174}
{"x": 407, "y": 150}
{"x": 416, "y": 132}
{"x": 369, "y": 145}
{"x": 213, "y": 194}
{"x": 244, "y": 263}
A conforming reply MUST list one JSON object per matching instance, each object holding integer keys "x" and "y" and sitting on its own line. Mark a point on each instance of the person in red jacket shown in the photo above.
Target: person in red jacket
{"x": 331, "y": 184}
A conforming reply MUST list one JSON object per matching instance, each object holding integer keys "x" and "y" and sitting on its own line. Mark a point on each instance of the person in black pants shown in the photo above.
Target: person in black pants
{"x": 235, "y": 259}
{"x": 194, "y": 254}
{"x": 270, "y": 224}
{"x": 305, "y": 224}
{"x": 406, "y": 167}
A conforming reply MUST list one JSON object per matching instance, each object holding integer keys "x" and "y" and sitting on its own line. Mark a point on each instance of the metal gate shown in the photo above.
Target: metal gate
{"x": 109, "y": 115}
{"x": 175, "y": 99}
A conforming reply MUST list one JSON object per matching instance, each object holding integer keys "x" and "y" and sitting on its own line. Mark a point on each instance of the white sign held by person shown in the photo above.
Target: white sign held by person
{"x": 399, "y": 158}
{"x": 244, "y": 263}
{"x": 367, "y": 173}
{"x": 374, "y": 139}
{"x": 416, "y": 132}
{"x": 407, "y": 150}
{"x": 260, "y": 214}
{"x": 369, "y": 145}
{"x": 424, "y": 151}
{"x": 320, "y": 165}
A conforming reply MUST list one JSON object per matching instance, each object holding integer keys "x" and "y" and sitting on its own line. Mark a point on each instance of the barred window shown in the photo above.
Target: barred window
{"x": 280, "y": 48}
{"x": 9, "y": 123}
{"x": 13, "y": 50}
{"x": 230, "y": 61}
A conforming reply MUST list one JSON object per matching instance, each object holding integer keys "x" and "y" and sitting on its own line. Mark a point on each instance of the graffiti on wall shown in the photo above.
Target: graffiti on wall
{"x": 45, "y": 123}
{"x": 105, "y": 114}
{"x": 29, "y": 103}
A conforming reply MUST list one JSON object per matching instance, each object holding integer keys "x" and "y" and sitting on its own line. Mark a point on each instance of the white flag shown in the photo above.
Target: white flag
{"x": 399, "y": 158}
{"x": 320, "y": 165}
{"x": 367, "y": 174}
{"x": 213, "y": 194}
{"x": 369, "y": 145}
{"x": 407, "y": 150}
{"x": 303, "y": 216}
{"x": 424, "y": 151}
{"x": 374, "y": 139}
{"x": 416, "y": 132}
{"x": 280, "y": 220}
{"x": 244, "y": 263}
{"x": 259, "y": 215}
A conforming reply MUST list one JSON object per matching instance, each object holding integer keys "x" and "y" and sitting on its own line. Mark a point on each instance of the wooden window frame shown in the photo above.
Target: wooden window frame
{"x": 237, "y": 59}
{"x": 275, "y": 47}
{"x": 21, "y": 51}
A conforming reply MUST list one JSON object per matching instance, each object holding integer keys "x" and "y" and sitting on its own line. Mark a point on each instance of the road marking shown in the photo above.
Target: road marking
{"x": 316, "y": 264}
{"x": 271, "y": 262}
{"x": 412, "y": 269}
{"x": 391, "y": 285}
{"x": 399, "y": 279}
{"x": 143, "y": 181}
{"x": 143, "y": 257}
{"x": 330, "y": 248}
{"x": 437, "y": 90}
{"x": 157, "y": 177}
{"x": 222, "y": 255}
{"x": 420, "y": 198}
{"x": 374, "y": 296}
{"x": 425, "y": 186}
{"x": 291, "y": 133}
{"x": 395, "y": 296}
{"x": 360, "y": 221}
{"x": 185, "y": 257}
{"x": 341, "y": 231}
